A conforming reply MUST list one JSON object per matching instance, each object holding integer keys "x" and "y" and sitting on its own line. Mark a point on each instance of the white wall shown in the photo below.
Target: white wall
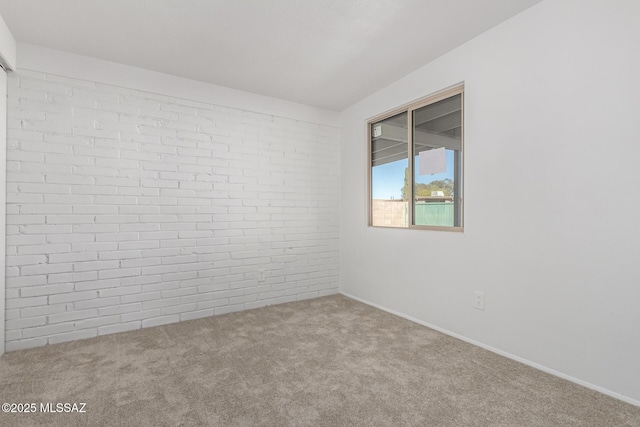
{"x": 7, "y": 47}
{"x": 551, "y": 232}
{"x": 7, "y": 61}
{"x": 3, "y": 183}
{"x": 32, "y": 57}
{"x": 129, "y": 208}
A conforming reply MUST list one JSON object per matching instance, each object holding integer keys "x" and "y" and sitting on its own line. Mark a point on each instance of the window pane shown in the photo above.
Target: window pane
{"x": 437, "y": 163}
{"x": 389, "y": 163}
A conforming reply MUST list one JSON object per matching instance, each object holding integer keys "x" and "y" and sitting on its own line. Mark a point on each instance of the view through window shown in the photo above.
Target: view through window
{"x": 425, "y": 192}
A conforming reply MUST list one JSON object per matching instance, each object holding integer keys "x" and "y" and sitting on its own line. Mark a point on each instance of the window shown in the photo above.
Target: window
{"x": 416, "y": 162}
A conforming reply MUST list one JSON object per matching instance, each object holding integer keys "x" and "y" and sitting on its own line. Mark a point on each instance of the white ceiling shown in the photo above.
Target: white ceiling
{"x": 324, "y": 53}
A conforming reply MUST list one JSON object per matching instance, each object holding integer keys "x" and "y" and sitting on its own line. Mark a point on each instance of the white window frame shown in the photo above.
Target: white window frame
{"x": 457, "y": 89}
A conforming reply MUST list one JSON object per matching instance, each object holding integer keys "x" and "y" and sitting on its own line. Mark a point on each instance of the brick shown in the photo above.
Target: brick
{"x": 147, "y": 296}
{"x": 30, "y": 270}
{"x": 25, "y": 219}
{"x": 42, "y": 310}
{"x": 213, "y": 304}
{"x": 72, "y": 315}
{"x": 116, "y": 163}
{"x": 107, "y": 254}
{"x": 67, "y": 160}
{"x": 120, "y": 309}
{"x": 156, "y": 209}
{"x": 28, "y": 322}
{"x": 72, "y": 199}
{"x": 95, "y": 265}
{"x": 70, "y": 179}
{"x": 98, "y": 302}
{"x": 117, "y": 219}
{"x": 94, "y": 246}
{"x": 70, "y": 219}
{"x": 45, "y": 249}
{"x": 13, "y": 335}
{"x": 44, "y": 188}
{"x": 177, "y": 309}
{"x": 122, "y": 272}
{"x": 25, "y": 177}
{"x": 47, "y": 330}
{"x": 97, "y": 322}
{"x": 45, "y": 209}
{"x": 139, "y": 315}
{"x": 69, "y": 238}
{"x": 72, "y": 296}
{"x": 149, "y": 244}
{"x": 25, "y": 260}
{"x": 95, "y": 228}
{"x": 94, "y": 190}
{"x": 44, "y": 147}
{"x": 23, "y": 282}
{"x": 95, "y": 209}
{"x": 73, "y": 257}
{"x": 117, "y": 236}
{"x": 21, "y": 302}
{"x": 72, "y": 277}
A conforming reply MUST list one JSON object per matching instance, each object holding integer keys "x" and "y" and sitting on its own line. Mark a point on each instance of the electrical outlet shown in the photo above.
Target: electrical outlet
{"x": 262, "y": 275}
{"x": 478, "y": 300}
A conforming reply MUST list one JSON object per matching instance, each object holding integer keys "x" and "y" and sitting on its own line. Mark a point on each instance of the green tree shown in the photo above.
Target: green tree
{"x": 405, "y": 190}
{"x": 424, "y": 190}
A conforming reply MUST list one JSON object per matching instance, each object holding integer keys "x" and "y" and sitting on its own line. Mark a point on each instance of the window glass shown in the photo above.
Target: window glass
{"x": 416, "y": 168}
{"x": 437, "y": 148}
{"x": 389, "y": 162}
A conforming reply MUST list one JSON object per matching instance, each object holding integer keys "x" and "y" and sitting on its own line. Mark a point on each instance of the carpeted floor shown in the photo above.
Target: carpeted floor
{"x": 329, "y": 361}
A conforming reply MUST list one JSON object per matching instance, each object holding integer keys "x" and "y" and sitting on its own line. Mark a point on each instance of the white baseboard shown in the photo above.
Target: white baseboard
{"x": 502, "y": 353}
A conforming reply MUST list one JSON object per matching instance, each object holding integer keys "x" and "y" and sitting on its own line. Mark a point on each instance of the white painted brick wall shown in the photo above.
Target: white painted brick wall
{"x": 128, "y": 209}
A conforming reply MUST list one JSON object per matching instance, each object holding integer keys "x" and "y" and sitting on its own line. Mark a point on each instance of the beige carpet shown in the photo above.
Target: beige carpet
{"x": 325, "y": 362}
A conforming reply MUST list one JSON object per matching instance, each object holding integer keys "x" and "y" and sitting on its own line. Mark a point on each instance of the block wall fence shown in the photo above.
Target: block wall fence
{"x": 128, "y": 209}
